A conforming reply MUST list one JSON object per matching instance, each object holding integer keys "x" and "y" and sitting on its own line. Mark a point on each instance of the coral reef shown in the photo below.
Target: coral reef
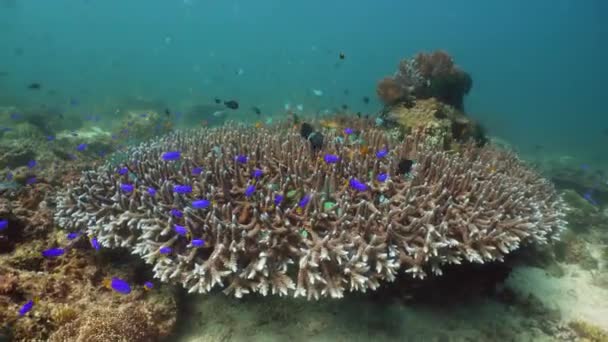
{"x": 68, "y": 287}
{"x": 424, "y": 76}
{"x": 438, "y": 120}
{"x": 254, "y": 210}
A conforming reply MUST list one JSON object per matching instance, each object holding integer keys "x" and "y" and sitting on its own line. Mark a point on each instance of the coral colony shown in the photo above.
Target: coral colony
{"x": 271, "y": 215}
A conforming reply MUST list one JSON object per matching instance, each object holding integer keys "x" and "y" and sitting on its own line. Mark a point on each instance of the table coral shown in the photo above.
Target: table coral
{"x": 282, "y": 237}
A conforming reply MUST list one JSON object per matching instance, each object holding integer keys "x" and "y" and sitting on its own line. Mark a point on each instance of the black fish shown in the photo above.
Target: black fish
{"x": 256, "y": 110}
{"x": 218, "y": 101}
{"x": 342, "y": 56}
{"x": 404, "y": 166}
{"x": 231, "y": 104}
{"x": 34, "y": 86}
{"x": 359, "y": 115}
{"x": 346, "y": 92}
{"x": 306, "y": 130}
{"x": 167, "y": 112}
{"x": 316, "y": 141}
{"x": 345, "y": 107}
{"x": 365, "y": 99}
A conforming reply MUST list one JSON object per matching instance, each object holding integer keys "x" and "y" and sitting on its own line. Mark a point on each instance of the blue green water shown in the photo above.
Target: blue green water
{"x": 538, "y": 67}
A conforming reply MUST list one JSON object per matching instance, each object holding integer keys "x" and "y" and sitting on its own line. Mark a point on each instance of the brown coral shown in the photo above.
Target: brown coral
{"x": 127, "y": 324}
{"x": 389, "y": 91}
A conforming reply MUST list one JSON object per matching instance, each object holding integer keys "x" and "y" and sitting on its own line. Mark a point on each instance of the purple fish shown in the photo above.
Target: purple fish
{"x": 201, "y": 204}
{"x": 31, "y": 164}
{"x": 9, "y": 176}
{"x": 50, "y": 138}
{"x": 242, "y": 159}
{"x": 304, "y": 201}
{"x": 95, "y": 243}
{"x": 382, "y": 177}
{"x": 126, "y": 187}
{"x": 177, "y": 213}
{"x": 257, "y": 173}
{"x": 123, "y": 171}
{"x": 81, "y": 147}
{"x": 30, "y": 180}
{"x": 197, "y": 243}
{"x": 197, "y": 171}
{"x": 278, "y": 199}
{"x": 180, "y": 230}
{"x": 348, "y": 131}
{"x": 165, "y": 250}
{"x": 151, "y": 191}
{"x": 53, "y": 252}
{"x": 331, "y": 158}
{"x": 182, "y": 189}
{"x": 3, "y": 224}
{"x": 148, "y": 285}
{"x": 357, "y": 185}
{"x": 171, "y": 155}
{"x": 72, "y": 236}
{"x": 27, "y": 307}
{"x": 382, "y": 153}
{"x": 250, "y": 190}
{"x": 120, "y": 286}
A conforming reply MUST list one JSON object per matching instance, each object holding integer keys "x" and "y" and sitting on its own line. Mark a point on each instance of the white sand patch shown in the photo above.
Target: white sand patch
{"x": 573, "y": 294}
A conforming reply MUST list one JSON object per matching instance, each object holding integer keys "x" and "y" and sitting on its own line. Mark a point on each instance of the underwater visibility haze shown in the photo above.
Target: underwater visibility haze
{"x": 267, "y": 170}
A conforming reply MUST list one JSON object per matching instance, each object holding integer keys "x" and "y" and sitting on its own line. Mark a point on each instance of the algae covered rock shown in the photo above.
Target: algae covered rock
{"x": 436, "y": 119}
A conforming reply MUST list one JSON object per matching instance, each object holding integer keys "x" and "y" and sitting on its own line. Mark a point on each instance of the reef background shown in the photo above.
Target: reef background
{"x": 538, "y": 67}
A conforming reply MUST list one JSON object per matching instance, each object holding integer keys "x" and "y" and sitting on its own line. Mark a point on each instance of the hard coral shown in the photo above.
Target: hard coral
{"x": 389, "y": 91}
{"x": 433, "y": 75}
{"x": 312, "y": 228}
{"x": 127, "y": 324}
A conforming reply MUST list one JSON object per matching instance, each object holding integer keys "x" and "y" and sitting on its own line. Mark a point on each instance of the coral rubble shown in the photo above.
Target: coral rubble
{"x": 270, "y": 215}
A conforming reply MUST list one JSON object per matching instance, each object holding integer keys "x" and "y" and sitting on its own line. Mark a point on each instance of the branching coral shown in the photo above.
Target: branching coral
{"x": 278, "y": 218}
{"x": 431, "y": 75}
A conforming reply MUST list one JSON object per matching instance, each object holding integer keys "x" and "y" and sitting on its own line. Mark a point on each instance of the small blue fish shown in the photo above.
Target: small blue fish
{"x": 118, "y": 285}
{"x": 143, "y": 115}
{"x": 123, "y": 171}
{"x": 81, "y": 147}
{"x": 382, "y": 153}
{"x": 151, "y": 191}
{"x": 95, "y": 243}
{"x": 9, "y": 176}
{"x": 74, "y": 102}
{"x": 331, "y": 158}
{"x": 165, "y": 250}
{"x": 382, "y": 177}
{"x": 31, "y": 164}
{"x": 15, "y": 116}
{"x": 201, "y": 204}
{"x": 72, "y": 236}
{"x": 171, "y": 155}
{"x": 3, "y": 224}
{"x": 180, "y": 230}
{"x": 30, "y": 180}
{"x": 257, "y": 173}
{"x": 53, "y": 252}
{"x": 177, "y": 213}
{"x": 304, "y": 201}
{"x": 250, "y": 190}
{"x": 242, "y": 159}
{"x": 126, "y": 188}
{"x": 348, "y": 131}
{"x": 182, "y": 189}
{"x": 197, "y": 243}
{"x": 50, "y": 138}
{"x": 148, "y": 286}
{"x": 27, "y": 307}
{"x": 278, "y": 199}
{"x": 588, "y": 196}
{"x": 357, "y": 185}
{"x": 197, "y": 171}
